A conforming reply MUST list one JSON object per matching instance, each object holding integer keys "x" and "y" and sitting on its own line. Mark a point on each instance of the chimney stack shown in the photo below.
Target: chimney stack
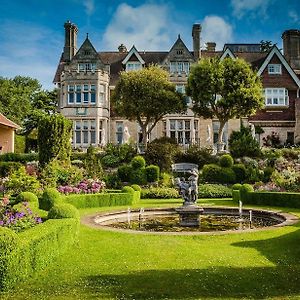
{"x": 70, "y": 48}
{"x": 211, "y": 46}
{"x": 196, "y": 41}
{"x": 291, "y": 47}
{"x": 122, "y": 48}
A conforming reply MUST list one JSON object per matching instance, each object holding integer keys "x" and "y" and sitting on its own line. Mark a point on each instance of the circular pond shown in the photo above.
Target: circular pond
{"x": 213, "y": 220}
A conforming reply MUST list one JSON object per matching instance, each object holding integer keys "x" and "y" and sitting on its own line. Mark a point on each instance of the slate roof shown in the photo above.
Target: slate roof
{"x": 6, "y": 122}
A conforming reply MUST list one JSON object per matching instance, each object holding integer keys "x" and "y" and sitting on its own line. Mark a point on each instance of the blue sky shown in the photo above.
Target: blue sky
{"x": 32, "y": 33}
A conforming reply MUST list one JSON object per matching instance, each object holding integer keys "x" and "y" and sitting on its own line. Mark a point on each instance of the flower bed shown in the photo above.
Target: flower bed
{"x": 88, "y": 186}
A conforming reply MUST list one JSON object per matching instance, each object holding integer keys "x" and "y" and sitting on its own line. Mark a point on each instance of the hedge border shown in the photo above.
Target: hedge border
{"x": 278, "y": 199}
{"x": 25, "y": 253}
{"x": 102, "y": 199}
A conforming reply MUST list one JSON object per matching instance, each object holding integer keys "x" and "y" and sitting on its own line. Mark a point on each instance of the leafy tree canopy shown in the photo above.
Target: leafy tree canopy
{"x": 224, "y": 89}
{"x": 145, "y": 96}
{"x": 266, "y": 46}
{"x": 22, "y": 100}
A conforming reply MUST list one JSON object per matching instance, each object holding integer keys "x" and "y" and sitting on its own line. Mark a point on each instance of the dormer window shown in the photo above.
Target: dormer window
{"x": 86, "y": 67}
{"x": 274, "y": 68}
{"x": 133, "y": 66}
{"x": 87, "y": 52}
{"x": 179, "y": 52}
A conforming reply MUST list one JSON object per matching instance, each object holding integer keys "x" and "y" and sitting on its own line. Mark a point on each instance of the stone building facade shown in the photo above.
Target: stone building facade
{"x": 86, "y": 78}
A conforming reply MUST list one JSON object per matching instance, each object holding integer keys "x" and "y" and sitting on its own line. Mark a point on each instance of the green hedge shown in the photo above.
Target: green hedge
{"x": 27, "y": 252}
{"x": 19, "y": 157}
{"x": 8, "y": 167}
{"x": 214, "y": 191}
{"x": 103, "y": 199}
{"x": 159, "y": 193}
{"x": 280, "y": 199}
{"x": 236, "y": 197}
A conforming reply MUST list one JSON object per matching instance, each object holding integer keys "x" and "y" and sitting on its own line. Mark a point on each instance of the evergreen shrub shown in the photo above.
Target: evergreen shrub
{"x": 138, "y": 162}
{"x": 240, "y": 172}
{"x": 63, "y": 211}
{"x": 8, "y": 167}
{"x": 152, "y": 173}
{"x": 50, "y": 197}
{"x": 226, "y": 161}
{"x": 214, "y": 191}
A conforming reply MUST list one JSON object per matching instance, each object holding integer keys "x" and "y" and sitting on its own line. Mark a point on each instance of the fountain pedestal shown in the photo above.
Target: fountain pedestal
{"x": 189, "y": 215}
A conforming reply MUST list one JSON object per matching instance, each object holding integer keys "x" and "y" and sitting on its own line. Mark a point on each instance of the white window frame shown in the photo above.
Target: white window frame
{"x": 276, "y": 97}
{"x": 84, "y": 67}
{"x": 81, "y": 89}
{"x": 133, "y": 66}
{"x": 274, "y": 69}
{"x": 179, "y": 67}
{"x": 81, "y": 126}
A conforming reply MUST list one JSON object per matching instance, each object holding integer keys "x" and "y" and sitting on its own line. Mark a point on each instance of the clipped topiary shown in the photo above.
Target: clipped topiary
{"x": 211, "y": 173}
{"x": 127, "y": 189}
{"x": 138, "y": 176}
{"x": 152, "y": 173}
{"x": 63, "y": 211}
{"x": 136, "y": 187}
{"x": 240, "y": 172}
{"x": 236, "y": 187}
{"x": 138, "y": 162}
{"x": 27, "y": 197}
{"x": 124, "y": 172}
{"x": 49, "y": 198}
{"x": 226, "y": 161}
{"x": 246, "y": 188}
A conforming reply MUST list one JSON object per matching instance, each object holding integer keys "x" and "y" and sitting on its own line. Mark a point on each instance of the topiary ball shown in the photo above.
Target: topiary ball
{"x": 236, "y": 187}
{"x": 127, "y": 189}
{"x": 226, "y": 161}
{"x": 136, "y": 187}
{"x": 50, "y": 198}
{"x": 27, "y": 197}
{"x": 63, "y": 211}
{"x": 138, "y": 162}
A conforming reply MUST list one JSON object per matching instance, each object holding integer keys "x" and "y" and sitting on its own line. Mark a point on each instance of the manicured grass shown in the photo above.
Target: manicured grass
{"x": 111, "y": 265}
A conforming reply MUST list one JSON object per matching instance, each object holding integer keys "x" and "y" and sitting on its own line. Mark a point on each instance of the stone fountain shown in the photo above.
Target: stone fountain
{"x": 189, "y": 212}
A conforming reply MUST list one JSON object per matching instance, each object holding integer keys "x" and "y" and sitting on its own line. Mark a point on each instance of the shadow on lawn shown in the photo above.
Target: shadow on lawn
{"x": 282, "y": 280}
{"x": 221, "y": 282}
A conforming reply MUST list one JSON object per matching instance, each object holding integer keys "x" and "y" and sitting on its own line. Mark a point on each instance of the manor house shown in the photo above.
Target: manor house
{"x": 86, "y": 78}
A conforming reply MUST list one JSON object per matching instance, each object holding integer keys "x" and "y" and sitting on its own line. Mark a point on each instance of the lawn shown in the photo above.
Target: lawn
{"x": 112, "y": 265}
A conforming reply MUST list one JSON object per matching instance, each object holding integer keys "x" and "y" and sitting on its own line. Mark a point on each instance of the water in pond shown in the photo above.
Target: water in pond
{"x": 208, "y": 223}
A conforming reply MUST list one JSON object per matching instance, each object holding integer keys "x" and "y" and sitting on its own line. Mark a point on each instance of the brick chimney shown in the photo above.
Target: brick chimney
{"x": 211, "y": 46}
{"x": 196, "y": 40}
{"x": 70, "y": 47}
{"x": 122, "y": 48}
{"x": 291, "y": 47}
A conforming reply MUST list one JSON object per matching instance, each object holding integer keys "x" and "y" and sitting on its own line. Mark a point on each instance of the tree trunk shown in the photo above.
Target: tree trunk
{"x": 144, "y": 133}
{"x": 221, "y": 144}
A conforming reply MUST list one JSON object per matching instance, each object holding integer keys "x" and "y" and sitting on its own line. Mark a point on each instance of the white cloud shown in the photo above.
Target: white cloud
{"x": 294, "y": 16}
{"x": 29, "y": 50}
{"x": 89, "y": 6}
{"x": 252, "y": 7}
{"x": 148, "y": 26}
{"x": 216, "y": 29}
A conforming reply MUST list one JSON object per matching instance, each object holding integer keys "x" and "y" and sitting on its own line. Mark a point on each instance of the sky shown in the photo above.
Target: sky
{"x": 32, "y": 32}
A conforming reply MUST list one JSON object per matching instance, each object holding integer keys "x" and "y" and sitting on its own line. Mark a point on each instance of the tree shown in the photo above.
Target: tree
{"x": 54, "y": 136}
{"x": 145, "y": 96}
{"x": 242, "y": 143}
{"x": 224, "y": 89}
{"x": 16, "y": 95}
{"x": 266, "y": 46}
{"x": 42, "y": 103}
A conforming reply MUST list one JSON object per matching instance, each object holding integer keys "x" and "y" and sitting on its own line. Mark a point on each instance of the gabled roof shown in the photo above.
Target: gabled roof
{"x": 226, "y": 53}
{"x": 6, "y": 122}
{"x": 86, "y": 45}
{"x": 133, "y": 51}
{"x": 275, "y": 51}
